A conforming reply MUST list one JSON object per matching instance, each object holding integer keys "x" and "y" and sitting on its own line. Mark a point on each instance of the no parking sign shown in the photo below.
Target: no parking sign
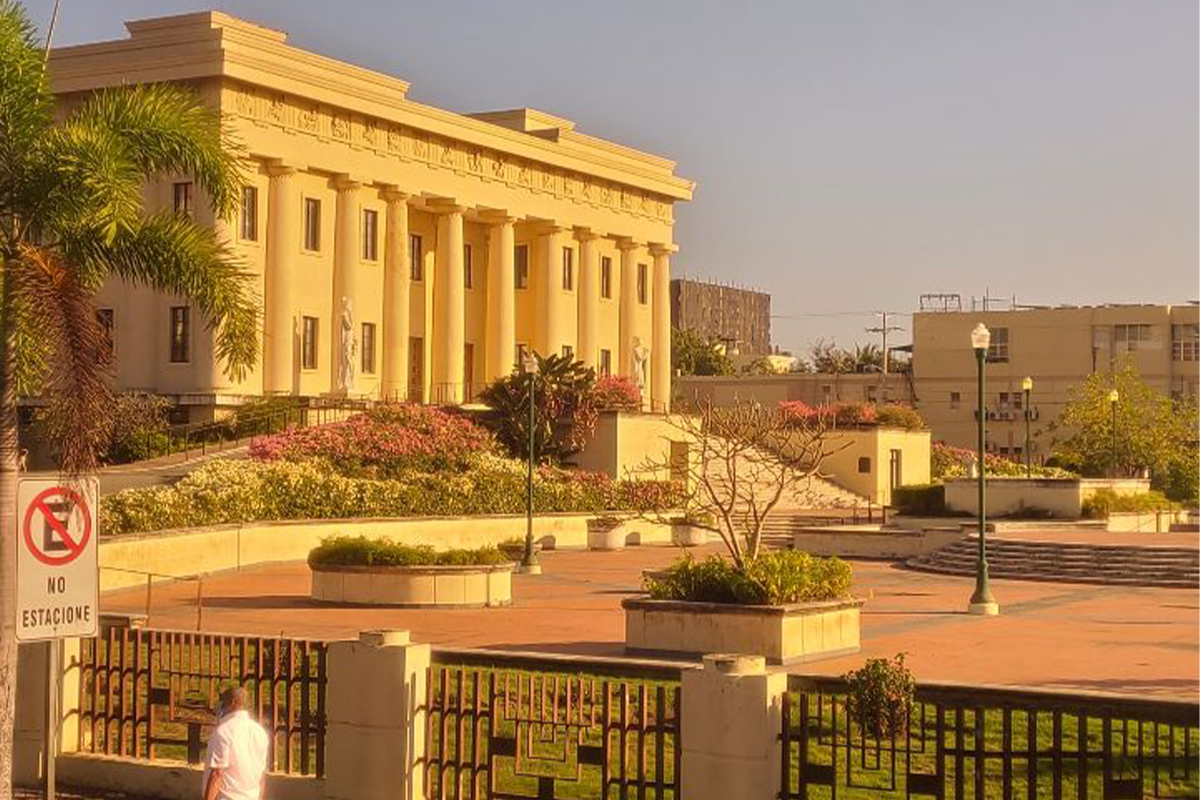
{"x": 57, "y": 569}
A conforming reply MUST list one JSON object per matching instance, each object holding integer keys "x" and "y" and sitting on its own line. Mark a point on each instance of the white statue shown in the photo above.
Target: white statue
{"x": 640, "y": 356}
{"x": 349, "y": 348}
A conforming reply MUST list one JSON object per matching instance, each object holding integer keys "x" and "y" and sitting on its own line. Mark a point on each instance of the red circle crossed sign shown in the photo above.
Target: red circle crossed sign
{"x": 74, "y": 547}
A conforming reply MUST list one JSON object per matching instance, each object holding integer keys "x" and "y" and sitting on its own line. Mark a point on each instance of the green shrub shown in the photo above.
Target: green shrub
{"x": 363, "y": 552}
{"x": 920, "y": 498}
{"x": 1105, "y": 501}
{"x": 899, "y": 417}
{"x": 774, "y": 578}
{"x": 880, "y": 694}
{"x": 231, "y": 491}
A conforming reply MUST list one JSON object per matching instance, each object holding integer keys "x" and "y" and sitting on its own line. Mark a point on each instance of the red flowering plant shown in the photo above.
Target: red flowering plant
{"x": 616, "y": 393}
{"x": 386, "y": 441}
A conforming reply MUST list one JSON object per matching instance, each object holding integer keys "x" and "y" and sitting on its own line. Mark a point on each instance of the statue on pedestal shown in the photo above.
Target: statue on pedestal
{"x": 349, "y": 348}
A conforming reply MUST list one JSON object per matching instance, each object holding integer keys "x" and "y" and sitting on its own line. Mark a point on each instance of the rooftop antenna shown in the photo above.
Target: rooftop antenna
{"x": 50, "y": 30}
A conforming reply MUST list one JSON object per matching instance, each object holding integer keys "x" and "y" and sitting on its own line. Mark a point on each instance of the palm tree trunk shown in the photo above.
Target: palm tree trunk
{"x": 8, "y": 546}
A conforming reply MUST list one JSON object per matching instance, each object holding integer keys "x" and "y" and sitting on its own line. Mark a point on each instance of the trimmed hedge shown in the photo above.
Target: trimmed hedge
{"x": 1105, "y": 501}
{"x": 359, "y": 551}
{"x": 227, "y": 491}
{"x": 920, "y": 498}
{"x": 774, "y": 578}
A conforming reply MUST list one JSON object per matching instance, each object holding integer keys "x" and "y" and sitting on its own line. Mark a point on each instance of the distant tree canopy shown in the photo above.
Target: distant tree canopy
{"x": 692, "y": 353}
{"x": 1152, "y": 432}
{"x": 827, "y": 357}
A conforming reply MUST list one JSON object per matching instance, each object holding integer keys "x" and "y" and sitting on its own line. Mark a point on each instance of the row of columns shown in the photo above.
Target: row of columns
{"x": 448, "y": 323}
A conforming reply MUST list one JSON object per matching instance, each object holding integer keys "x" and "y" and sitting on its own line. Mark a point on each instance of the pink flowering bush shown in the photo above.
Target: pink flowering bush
{"x": 947, "y": 461}
{"x": 616, "y": 393}
{"x": 386, "y": 441}
{"x": 830, "y": 414}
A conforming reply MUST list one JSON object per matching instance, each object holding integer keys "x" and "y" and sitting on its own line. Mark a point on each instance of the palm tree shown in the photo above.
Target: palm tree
{"x": 71, "y": 217}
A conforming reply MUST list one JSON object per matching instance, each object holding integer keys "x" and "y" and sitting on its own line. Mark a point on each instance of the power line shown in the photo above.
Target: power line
{"x": 884, "y": 329}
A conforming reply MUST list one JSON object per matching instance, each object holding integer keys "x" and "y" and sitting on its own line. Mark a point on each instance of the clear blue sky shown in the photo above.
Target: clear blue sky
{"x": 850, "y": 155}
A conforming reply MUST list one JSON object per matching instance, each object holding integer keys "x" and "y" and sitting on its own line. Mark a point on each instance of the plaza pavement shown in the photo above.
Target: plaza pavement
{"x": 1119, "y": 639}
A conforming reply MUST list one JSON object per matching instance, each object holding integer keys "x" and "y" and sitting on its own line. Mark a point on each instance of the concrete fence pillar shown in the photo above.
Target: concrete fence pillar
{"x": 32, "y": 711}
{"x": 732, "y": 712}
{"x": 375, "y": 731}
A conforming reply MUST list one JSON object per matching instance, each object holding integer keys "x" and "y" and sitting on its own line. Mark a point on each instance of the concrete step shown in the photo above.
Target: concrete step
{"x": 1070, "y": 562}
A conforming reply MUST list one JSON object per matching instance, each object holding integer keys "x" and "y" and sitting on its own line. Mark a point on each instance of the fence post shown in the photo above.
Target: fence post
{"x": 375, "y": 730}
{"x": 732, "y": 713}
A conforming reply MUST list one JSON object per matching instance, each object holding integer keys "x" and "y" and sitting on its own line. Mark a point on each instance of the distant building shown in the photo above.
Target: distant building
{"x": 740, "y": 318}
{"x": 1058, "y": 348}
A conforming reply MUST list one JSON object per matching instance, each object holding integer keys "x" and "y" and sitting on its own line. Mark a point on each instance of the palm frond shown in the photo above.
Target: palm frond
{"x": 173, "y": 254}
{"x": 25, "y": 100}
{"x": 168, "y": 130}
{"x": 77, "y": 350}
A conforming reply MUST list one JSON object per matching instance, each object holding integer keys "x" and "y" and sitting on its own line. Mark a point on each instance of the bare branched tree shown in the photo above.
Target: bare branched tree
{"x": 742, "y": 461}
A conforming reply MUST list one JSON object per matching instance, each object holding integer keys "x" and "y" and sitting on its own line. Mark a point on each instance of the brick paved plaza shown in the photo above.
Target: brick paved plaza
{"x": 1052, "y": 635}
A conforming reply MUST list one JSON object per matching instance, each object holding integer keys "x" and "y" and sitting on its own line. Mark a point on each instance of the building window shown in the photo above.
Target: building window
{"x": 312, "y": 224}
{"x": 606, "y": 277}
{"x": 1018, "y": 400}
{"x": 308, "y": 343}
{"x": 468, "y": 276}
{"x": 368, "y": 348}
{"x": 568, "y": 269}
{"x": 872, "y": 393}
{"x": 955, "y": 399}
{"x": 521, "y": 266}
{"x": 249, "y": 214}
{"x": 998, "y": 347}
{"x": 1185, "y": 342}
{"x": 370, "y": 234}
{"x": 568, "y": 351}
{"x": 468, "y": 370}
{"x": 1004, "y": 401}
{"x": 181, "y": 324}
{"x": 642, "y": 287}
{"x": 416, "y": 263}
{"x": 1129, "y": 338}
{"x": 107, "y": 319}
{"x": 182, "y": 198}
{"x": 864, "y": 464}
{"x": 605, "y": 363}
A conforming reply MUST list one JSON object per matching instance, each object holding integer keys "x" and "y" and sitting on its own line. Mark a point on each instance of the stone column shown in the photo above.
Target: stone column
{"x": 345, "y": 278}
{"x": 283, "y": 243}
{"x": 629, "y": 303}
{"x": 396, "y": 273}
{"x": 375, "y": 733}
{"x": 501, "y": 300}
{"x": 660, "y": 347}
{"x": 732, "y": 712}
{"x": 448, "y": 298}
{"x": 589, "y": 297}
{"x": 550, "y": 327}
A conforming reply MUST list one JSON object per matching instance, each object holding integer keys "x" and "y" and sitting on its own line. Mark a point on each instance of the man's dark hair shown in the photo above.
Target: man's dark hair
{"x": 233, "y": 698}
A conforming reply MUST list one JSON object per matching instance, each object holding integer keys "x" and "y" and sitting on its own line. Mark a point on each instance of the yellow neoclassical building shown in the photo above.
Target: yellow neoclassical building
{"x": 401, "y": 250}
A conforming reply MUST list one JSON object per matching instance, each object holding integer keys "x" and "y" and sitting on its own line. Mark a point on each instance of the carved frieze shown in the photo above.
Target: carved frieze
{"x": 490, "y": 165}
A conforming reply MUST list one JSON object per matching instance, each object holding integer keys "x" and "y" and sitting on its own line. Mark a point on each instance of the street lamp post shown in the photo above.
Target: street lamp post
{"x": 1027, "y": 388}
{"x": 982, "y": 601}
{"x": 529, "y": 564}
{"x": 1113, "y": 397}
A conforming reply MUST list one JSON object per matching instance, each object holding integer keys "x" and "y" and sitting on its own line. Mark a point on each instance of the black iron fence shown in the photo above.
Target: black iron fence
{"x": 151, "y": 694}
{"x": 972, "y": 742}
{"x": 513, "y": 727}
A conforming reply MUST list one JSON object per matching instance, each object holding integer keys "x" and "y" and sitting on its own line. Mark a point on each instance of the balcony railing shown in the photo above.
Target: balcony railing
{"x": 985, "y": 742}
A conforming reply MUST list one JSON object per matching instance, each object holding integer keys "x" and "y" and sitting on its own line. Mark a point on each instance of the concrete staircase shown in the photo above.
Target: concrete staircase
{"x": 1116, "y": 565}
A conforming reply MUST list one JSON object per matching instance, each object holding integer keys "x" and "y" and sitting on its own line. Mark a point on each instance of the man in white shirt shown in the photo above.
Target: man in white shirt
{"x": 235, "y": 766}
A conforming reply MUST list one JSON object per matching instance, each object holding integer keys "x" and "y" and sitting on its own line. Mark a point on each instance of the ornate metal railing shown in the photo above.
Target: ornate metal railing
{"x": 985, "y": 742}
{"x": 510, "y": 727}
{"x": 151, "y": 694}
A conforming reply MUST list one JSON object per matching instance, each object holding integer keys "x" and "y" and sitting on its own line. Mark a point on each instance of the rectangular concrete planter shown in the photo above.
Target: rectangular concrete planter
{"x": 684, "y": 534}
{"x": 466, "y": 586}
{"x": 788, "y": 634}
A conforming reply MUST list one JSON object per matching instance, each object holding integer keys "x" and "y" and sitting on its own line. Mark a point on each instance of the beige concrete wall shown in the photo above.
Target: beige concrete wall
{"x": 811, "y": 388}
{"x": 631, "y": 446}
{"x": 871, "y": 542}
{"x": 1062, "y": 497}
{"x": 859, "y": 459}
{"x": 125, "y": 560}
{"x": 165, "y": 780}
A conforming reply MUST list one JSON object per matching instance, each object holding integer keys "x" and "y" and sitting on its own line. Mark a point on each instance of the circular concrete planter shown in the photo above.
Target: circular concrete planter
{"x": 684, "y": 534}
{"x": 603, "y": 535}
{"x": 418, "y": 587}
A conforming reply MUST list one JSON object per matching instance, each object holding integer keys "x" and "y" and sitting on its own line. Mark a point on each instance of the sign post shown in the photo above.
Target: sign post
{"x": 58, "y": 578}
